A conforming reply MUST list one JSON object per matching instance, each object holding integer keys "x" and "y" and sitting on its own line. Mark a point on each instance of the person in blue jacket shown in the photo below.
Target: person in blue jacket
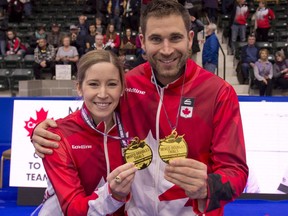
{"x": 210, "y": 49}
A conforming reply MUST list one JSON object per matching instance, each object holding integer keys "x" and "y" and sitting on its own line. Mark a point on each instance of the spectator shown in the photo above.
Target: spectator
{"x": 249, "y": 55}
{"x": 55, "y": 36}
{"x": 125, "y": 63}
{"x": 83, "y": 26}
{"x": 15, "y": 11}
{"x": 98, "y": 43}
{"x": 112, "y": 39}
{"x": 14, "y": 45}
{"x": 100, "y": 28}
{"x": 132, "y": 14}
{"x": 40, "y": 33}
{"x": 138, "y": 42}
{"x": 128, "y": 43}
{"x": 211, "y": 7}
{"x": 27, "y": 7}
{"x": 3, "y": 29}
{"x": 210, "y": 49}
{"x": 239, "y": 21}
{"x": 142, "y": 58}
{"x": 3, "y": 6}
{"x": 115, "y": 10}
{"x": 44, "y": 56}
{"x": 77, "y": 40}
{"x": 263, "y": 17}
{"x": 263, "y": 72}
{"x": 227, "y": 6}
{"x": 90, "y": 38}
{"x": 280, "y": 73}
{"x": 68, "y": 55}
{"x": 196, "y": 26}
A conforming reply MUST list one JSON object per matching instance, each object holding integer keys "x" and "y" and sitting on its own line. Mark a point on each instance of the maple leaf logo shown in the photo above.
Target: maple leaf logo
{"x": 186, "y": 111}
{"x": 41, "y": 115}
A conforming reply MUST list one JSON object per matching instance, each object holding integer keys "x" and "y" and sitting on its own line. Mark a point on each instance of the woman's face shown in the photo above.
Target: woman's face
{"x": 111, "y": 28}
{"x": 263, "y": 55}
{"x": 10, "y": 34}
{"x": 66, "y": 41}
{"x": 279, "y": 58}
{"x": 101, "y": 90}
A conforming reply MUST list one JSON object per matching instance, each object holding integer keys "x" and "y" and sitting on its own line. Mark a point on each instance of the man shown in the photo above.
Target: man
{"x": 249, "y": 55}
{"x": 169, "y": 96}
{"x": 131, "y": 14}
{"x": 83, "y": 26}
{"x": 77, "y": 40}
{"x": 90, "y": 38}
{"x": 55, "y": 36}
{"x": 44, "y": 56}
{"x": 98, "y": 43}
{"x": 210, "y": 49}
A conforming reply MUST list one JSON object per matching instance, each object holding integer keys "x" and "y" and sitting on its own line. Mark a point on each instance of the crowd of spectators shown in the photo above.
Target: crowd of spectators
{"x": 115, "y": 26}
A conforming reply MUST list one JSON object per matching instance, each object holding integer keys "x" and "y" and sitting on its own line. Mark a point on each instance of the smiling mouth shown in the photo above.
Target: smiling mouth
{"x": 102, "y": 104}
{"x": 167, "y": 61}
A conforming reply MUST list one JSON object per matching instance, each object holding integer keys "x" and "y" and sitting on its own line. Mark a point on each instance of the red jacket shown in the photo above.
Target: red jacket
{"x": 263, "y": 17}
{"x": 77, "y": 170}
{"x": 212, "y": 128}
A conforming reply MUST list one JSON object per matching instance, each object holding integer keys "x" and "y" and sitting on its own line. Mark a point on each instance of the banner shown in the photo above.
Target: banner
{"x": 265, "y": 131}
{"x": 26, "y": 167}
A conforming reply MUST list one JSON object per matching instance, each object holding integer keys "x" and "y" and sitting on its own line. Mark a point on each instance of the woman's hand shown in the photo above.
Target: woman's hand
{"x": 120, "y": 181}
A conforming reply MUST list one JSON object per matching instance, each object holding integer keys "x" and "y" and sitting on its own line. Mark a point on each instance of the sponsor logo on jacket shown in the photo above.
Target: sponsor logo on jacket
{"x": 134, "y": 90}
{"x": 81, "y": 146}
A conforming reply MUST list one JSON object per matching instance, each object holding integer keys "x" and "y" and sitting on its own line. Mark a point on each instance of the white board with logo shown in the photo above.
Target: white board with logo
{"x": 26, "y": 169}
{"x": 63, "y": 72}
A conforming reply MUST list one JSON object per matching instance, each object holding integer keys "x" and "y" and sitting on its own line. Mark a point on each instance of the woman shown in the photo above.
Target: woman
{"x": 280, "y": 72}
{"x": 14, "y": 45}
{"x": 263, "y": 72}
{"x": 263, "y": 17}
{"x": 112, "y": 39}
{"x": 128, "y": 43}
{"x": 84, "y": 172}
{"x": 68, "y": 54}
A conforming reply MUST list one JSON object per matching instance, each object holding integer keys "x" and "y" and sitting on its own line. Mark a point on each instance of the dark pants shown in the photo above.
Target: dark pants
{"x": 282, "y": 83}
{"x": 245, "y": 68}
{"x": 265, "y": 90}
{"x": 38, "y": 69}
{"x": 262, "y": 34}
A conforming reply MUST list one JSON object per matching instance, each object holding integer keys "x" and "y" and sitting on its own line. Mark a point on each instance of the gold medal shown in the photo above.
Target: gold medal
{"x": 173, "y": 146}
{"x": 139, "y": 153}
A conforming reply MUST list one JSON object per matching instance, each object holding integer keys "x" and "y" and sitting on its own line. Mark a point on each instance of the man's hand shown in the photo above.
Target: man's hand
{"x": 40, "y": 138}
{"x": 189, "y": 174}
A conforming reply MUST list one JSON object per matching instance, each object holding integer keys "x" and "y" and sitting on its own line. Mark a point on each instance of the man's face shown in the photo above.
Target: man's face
{"x": 82, "y": 19}
{"x": 42, "y": 43}
{"x": 92, "y": 29}
{"x": 166, "y": 43}
{"x": 99, "y": 40}
{"x": 251, "y": 40}
{"x": 55, "y": 29}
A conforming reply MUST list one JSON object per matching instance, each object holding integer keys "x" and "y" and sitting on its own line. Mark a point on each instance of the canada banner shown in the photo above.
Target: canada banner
{"x": 26, "y": 167}
{"x": 265, "y": 127}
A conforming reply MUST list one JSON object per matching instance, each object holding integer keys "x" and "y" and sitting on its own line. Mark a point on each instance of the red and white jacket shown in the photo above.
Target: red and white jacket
{"x": 77, "y": 170}
{"x": 212, "y": 129}
{"x": 263, "y": 17}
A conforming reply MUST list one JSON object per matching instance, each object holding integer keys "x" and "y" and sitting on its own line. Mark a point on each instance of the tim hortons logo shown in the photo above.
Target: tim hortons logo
{"x": 41, "y": 115}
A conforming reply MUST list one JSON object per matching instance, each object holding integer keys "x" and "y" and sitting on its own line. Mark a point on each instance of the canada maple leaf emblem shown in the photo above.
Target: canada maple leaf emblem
{"x": 41, "y": 115}
{"x": 186, "y": 111}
